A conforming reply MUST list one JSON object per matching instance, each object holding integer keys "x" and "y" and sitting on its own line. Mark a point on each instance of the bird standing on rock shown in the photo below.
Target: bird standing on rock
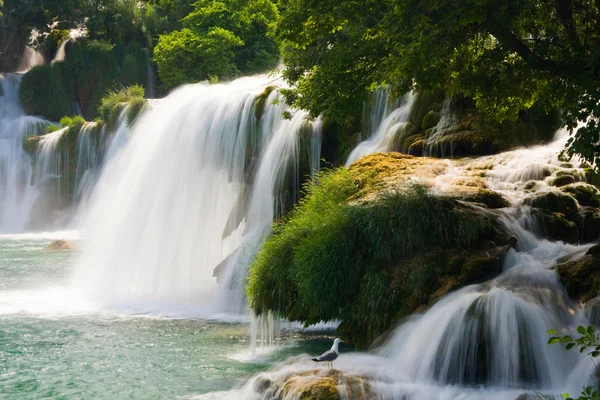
{"x": 330, "y": 355}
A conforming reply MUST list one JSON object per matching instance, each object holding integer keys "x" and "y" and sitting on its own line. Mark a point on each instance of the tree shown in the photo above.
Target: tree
{"x": 505, "y": 55}
{"x": 244, "y": 30}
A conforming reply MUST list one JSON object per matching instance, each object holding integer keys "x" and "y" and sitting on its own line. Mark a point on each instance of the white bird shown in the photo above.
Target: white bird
{"x": 330, "y": 355}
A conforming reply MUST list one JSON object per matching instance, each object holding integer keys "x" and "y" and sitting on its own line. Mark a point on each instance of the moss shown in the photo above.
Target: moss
{"x": 564, "y": 180}
{"x": 581, "y": 278}
{"x": 334, "y": 256}
{"x": 430, "y": 120}
{"x": 261, "y": 102}
{"x": 321, "y": 385}
{"x": 586, "y": 195}
{"x": 30, "y": 144}
{"x": 556, "y": 202}
{"x": 554, "y": 226}
{"x": 591, "y": 176}
{"x": 43, "y": 92}
{"x": 591, "y": 225}
{"x": 489, "y": 198}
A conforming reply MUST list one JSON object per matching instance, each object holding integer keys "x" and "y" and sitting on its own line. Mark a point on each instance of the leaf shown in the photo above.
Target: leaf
{"x": 553, "y": 340}
{"x": 570, "y": 346}
{"x": 591, "y": 329}
{"x": 581, "y": 330}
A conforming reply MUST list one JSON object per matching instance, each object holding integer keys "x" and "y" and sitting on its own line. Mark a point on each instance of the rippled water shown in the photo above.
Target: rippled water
{"x": 54, "y": 345}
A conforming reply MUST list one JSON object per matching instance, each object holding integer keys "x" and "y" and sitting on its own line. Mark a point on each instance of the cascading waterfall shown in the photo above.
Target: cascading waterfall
{"x": 385, "y": 126}
{"x": 188, "y": 164}
{"x": 485, "y": 341}
{"x": 17, "y": 195}
{"x": 61, "y": 52}
{"x": 447, "y": 121}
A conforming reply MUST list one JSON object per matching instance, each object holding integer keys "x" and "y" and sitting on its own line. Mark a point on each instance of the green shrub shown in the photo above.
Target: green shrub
{"x": 135, "y": 65}
{"x": 114, "y": 102}
{"x": 332, "y": 251}
{"x": 43, "y": 92}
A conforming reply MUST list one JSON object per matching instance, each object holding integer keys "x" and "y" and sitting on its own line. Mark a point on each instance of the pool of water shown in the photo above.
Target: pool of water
{"x": 54, "y": 344}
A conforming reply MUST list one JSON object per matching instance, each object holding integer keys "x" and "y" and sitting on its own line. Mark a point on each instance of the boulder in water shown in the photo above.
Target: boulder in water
{"x": 585, "y": 194}
{"x": 555, "y": 226}
{"x": 591, "y": 225}
{"x": 60, "y": 245}
{"x": 318, "y": 384}
{"x": 581, "y": 278}
{"x": 556, "y": 202}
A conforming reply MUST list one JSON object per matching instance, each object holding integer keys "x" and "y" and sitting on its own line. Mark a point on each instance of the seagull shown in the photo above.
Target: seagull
{"x": 330, "y": 355}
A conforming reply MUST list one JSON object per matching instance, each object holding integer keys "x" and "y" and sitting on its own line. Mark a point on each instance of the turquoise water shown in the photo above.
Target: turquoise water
{"x": 53, "y": 346}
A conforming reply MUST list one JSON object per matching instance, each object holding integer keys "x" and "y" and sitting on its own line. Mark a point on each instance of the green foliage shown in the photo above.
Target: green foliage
{"x": 329, "y": 258}
{"x": 185, "y": 56}
{"x": 135, "y": 65}
{"x": 114, "y": 102}
{"x": 43, "y": 92}
{"x": 74, "y": 121}
{"x": 589, "y": 340}
{"x": 220, "y": 39}
{"x": 507, "y": 57}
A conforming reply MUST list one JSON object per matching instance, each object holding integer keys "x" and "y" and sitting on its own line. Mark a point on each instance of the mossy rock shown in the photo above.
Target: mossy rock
{"x": 31, "y": 143}
{"x": 430, "y": 120}
{"x": 261, "y": 102}
{"x": 590, "y": 231}
{"x": 422, "y": 104}
{"x": 585, "y": 194}
{"x": 323, "y": 385}
{"x": 562, "y": 180}
{"x": 489, "y": 198}
{"x": 416, "y": 148}
{"x": 556, "y": 202}
{"x": 554, "y": 226}
{"x": 581, "y": 278}
{"x": 591, "y": 176}
{"x": 61, "y": 244}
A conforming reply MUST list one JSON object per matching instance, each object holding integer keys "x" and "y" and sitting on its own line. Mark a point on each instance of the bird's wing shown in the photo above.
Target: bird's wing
{"x": 328, "y": 356}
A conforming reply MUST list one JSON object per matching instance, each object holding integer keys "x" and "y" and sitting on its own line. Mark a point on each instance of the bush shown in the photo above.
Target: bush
{"x": 334, "y": 250}
{"x": 113, "y": 103}
{"x": 43, "y": 92}
{"x": 185, "y": 56}
{"x": 135, "y": 65}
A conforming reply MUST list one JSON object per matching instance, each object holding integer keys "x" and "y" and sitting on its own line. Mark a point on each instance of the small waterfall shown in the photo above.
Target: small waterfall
{"x": 61, "y": 52}
{"x": 30, "y": 59}
{"x": 188, "y": 164}
{"x": 17, "y": 196}
{"x": 90, "y": 152}
{"x": 448, "y": 120}
{"x": 386, "y": 132}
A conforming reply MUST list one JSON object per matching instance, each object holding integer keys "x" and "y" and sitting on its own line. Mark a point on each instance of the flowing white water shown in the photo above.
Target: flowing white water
{"x": 153, "y": 235}
{"x": 17, "y": 195}
{"x": 61, "y": 52}
{"x": 485, "y": 341}
{"x": 386, "y": 127}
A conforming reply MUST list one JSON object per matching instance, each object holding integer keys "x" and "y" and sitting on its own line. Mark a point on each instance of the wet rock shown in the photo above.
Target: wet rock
{"x": 489, "y": 198}
{"x": 581, "y": 278}
{"x": 430, "y": 120}
{"x": 585, "y": 194}
{"x": 556, "y": 202}
{"x": 555, "y": 226}
{"x": 590, "y": 231}
{"x": 320, "y": 385}
{"x": 562, "y": 180}
{"x": 261, "y": 102}
{"x": 60, "y": 245}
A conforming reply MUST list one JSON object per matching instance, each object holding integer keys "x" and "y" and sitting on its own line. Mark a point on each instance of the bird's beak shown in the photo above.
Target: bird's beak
{"x": 342, "y": 341}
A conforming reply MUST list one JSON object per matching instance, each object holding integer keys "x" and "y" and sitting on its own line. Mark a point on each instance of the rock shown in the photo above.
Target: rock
{"x": 261, "y": 101}
{"x": 556, "y": 202}
{"x": 581, "y": 278}
{"x": 60, "y": 245}
{"x": 554, "y": 226}
{"x": 489, "y": 198}
{"x": 323, "y": 384}
{"x": 585, "y": 194}
{"x": 562, "y": 180}
{"x": 591, "y": 176}
{"x": 430, "y": 120}
{"x": 591, "y": 225}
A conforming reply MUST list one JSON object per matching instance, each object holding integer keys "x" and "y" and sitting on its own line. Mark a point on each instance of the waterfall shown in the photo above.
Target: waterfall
{"x": 61, "y": 52}
{"x": 386, "y": 127}
{"x": 153, "y": 234}
{"x": 448, "y": 120}
{"x": 17, "y": 195}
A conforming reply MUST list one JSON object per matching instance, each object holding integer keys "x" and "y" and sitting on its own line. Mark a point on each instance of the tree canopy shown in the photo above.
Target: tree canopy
{"x": 219, "y": 39}
{"x": 505, "y": 55}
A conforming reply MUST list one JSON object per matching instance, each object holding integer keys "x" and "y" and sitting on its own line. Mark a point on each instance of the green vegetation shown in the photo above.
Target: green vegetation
{"x": 340, "y": 256}
{"x": 590, "y": 341}
{"x": 507, "y": 57}
{"x": 219, "y": 39}
{"x": 114, "y": 102}
{"x": 43, "y": 92}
